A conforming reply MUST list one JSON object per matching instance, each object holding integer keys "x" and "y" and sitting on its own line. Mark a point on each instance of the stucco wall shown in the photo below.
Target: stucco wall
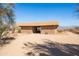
{"x": 48, "y": 29}
{"x": 26, "y": 29}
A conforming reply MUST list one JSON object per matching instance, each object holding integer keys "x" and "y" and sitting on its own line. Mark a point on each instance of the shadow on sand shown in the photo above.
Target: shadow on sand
{"x": 6, "y": 41}
{"x": 50, "y": 48}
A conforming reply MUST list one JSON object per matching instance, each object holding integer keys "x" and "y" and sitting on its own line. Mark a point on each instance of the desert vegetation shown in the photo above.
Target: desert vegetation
{"x": 7, "y": 21}
{"x": 73, "y": 29}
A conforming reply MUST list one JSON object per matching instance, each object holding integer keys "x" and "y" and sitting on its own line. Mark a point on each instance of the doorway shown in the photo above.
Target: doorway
{"x": 36, "y": 29}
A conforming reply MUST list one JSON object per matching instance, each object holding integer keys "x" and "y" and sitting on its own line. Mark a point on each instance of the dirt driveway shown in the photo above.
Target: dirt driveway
{"x": 15, "y": 48}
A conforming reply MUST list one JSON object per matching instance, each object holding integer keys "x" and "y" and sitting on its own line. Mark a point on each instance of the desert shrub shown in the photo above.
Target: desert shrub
{"x": 18, "y": 29}
{"x": 3, "y": 31}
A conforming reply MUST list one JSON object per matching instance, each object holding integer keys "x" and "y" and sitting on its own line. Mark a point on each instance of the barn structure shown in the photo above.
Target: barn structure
{"x": 39, "y": 27}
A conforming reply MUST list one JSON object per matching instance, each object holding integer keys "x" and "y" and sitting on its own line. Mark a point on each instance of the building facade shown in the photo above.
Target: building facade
{"x": 39, "y": 27}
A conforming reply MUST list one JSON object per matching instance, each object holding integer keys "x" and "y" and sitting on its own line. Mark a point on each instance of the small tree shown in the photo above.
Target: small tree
{"x": 6, "y": 18}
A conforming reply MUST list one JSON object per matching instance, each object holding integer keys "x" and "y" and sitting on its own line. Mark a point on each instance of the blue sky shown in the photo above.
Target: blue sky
{"x": 41, "y": 12}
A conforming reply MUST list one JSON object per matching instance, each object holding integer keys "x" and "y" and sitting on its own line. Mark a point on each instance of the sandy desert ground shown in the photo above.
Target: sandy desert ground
{"x": 15, "y": 48}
